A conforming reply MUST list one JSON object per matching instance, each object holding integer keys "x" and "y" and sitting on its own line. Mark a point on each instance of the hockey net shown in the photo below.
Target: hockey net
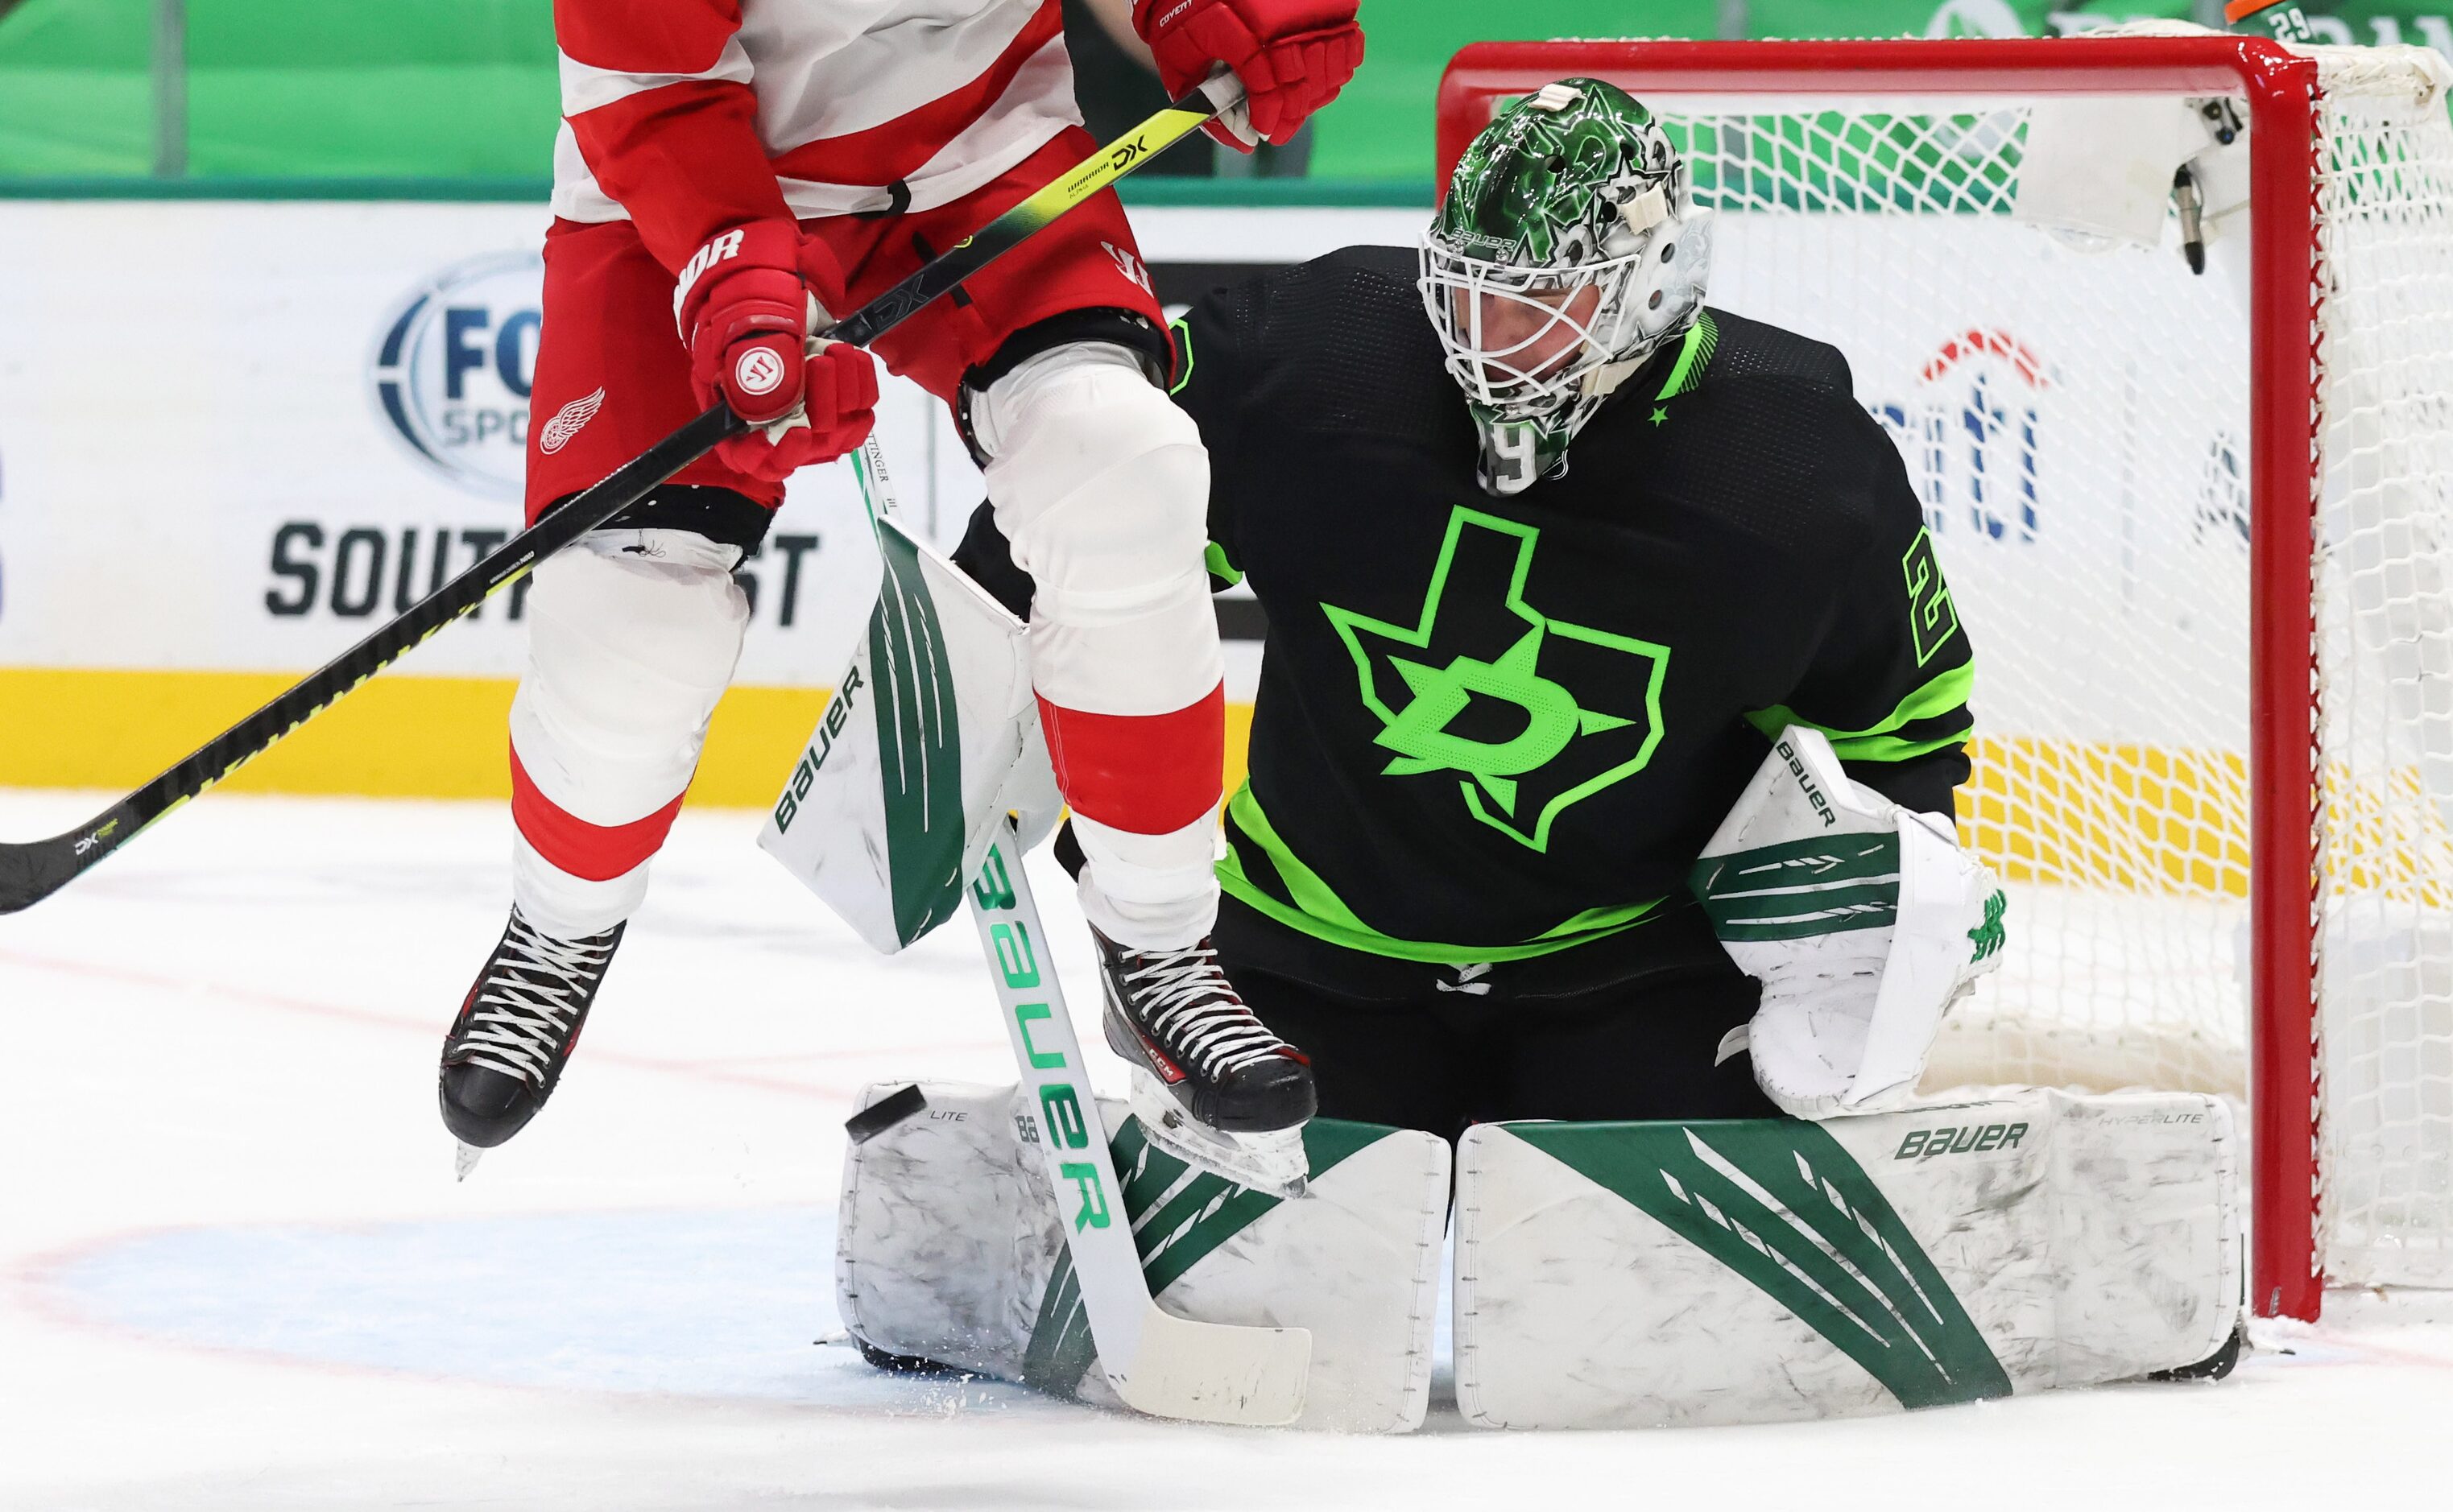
{"x": 2213, "y": 766}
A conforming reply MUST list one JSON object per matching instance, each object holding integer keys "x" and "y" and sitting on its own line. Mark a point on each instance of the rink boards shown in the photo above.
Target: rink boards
{"x": 328, "y": 418}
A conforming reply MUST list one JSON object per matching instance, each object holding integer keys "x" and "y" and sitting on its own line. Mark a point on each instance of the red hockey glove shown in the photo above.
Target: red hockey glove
{"x": 1292, "y": 55}
{"x": 745, "y": 304}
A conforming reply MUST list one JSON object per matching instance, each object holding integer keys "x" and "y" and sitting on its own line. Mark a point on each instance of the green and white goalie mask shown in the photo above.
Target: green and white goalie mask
{"x": 1568, "y": 251}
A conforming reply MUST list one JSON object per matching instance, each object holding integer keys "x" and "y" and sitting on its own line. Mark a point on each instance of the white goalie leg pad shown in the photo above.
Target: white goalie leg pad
{"x": 1101, "y": 486}
{"x": 1864, "y": 921}
{"x": 950, "y": 1247}
{"x": 1640, "y": 1275}
{"x": 930, "y": 739}
{"x": 633, "y": 638}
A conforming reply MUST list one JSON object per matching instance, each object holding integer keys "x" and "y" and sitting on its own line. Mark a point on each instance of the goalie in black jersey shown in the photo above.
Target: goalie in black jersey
{"x": 1600, "y": 813}
{"x": 1531, "y": 642}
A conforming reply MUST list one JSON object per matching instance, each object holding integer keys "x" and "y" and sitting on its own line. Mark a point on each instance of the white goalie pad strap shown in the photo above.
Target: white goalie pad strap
{"x": 1862, "y": 920}
{"x": 1638, "y": 1275}
{"x": 950, "y": 1249}
{"x": 931, "y": 738}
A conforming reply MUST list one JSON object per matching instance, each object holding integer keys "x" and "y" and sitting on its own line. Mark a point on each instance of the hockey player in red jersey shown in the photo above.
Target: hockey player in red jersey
{"x": 731, "y": 178}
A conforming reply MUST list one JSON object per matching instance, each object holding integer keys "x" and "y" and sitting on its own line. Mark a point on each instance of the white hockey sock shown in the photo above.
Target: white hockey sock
{"x": 1150, "y": 892}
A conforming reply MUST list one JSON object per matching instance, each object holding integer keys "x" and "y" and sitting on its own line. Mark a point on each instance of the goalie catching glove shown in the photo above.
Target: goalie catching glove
{"x": 1864, "y": 921}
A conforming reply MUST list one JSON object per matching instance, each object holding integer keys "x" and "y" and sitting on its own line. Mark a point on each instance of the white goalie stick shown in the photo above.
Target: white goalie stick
{"x": 1159, "y": 1363}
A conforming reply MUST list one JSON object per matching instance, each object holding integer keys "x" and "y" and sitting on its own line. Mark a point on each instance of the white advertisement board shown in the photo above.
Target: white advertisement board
{"x": 238, "y": 436}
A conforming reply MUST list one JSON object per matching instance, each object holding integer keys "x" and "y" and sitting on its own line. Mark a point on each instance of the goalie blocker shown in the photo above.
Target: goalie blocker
{"x": 1607, "y": 1275}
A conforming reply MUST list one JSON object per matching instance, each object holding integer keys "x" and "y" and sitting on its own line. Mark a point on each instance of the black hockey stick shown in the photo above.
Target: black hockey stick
{"x": 30, "y": 872}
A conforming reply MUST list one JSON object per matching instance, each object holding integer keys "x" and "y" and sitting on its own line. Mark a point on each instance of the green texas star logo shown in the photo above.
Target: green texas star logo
{"x": 1536, "y": 714}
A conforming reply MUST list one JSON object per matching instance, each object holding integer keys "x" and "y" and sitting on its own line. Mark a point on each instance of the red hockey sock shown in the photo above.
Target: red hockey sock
{"x": 596, "y": 853}
{"x": 1151, "y": 774}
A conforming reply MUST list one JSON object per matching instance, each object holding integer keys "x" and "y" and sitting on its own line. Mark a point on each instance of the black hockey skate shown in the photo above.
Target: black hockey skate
{"x": 515, "y": 1031}
{"x": 1211, "y": 1084}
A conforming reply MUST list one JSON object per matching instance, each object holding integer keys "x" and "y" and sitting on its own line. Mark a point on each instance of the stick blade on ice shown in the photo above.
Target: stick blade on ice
{"x": 1216, "y": 1372}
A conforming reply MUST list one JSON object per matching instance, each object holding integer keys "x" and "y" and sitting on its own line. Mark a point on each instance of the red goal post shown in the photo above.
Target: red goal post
{"x": 2287, "y": 352}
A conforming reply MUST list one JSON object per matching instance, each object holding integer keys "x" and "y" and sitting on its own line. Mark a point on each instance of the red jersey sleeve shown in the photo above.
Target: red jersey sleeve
{"x": 658, "y": 96}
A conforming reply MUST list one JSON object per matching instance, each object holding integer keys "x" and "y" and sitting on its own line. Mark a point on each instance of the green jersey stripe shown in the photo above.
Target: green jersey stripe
{"x": 1939, "y": 706}
{"x": 1256, "y": 856}
{"x": 1693, "y": 358}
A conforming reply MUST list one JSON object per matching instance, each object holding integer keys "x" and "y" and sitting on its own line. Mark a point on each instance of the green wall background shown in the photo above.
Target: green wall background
{"x": 284, "y": 87}
{"x": 462, "y": 89}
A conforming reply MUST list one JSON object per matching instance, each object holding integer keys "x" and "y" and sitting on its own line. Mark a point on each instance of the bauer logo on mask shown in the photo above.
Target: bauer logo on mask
{"x": 452, "y": 370}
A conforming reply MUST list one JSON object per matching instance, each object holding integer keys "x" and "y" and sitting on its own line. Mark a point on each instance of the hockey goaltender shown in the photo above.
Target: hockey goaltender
{"x": 1599, "y": 822}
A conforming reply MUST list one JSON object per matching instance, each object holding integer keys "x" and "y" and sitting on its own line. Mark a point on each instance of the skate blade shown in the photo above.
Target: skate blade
{"x": 1274, "y": 1162}
{"x": 464, "y": 1160}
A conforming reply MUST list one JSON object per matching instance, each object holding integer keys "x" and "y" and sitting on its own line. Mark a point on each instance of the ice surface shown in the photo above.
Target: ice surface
{"x": 236, "y": 1270}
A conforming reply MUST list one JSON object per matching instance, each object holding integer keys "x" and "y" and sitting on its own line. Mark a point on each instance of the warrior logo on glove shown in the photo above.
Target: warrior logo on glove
{"x": 747, "y": 303}
{"x": 758, "y": 371}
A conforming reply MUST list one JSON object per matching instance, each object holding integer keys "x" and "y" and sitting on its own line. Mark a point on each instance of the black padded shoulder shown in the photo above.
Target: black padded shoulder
{"x": 1341, "y": 343}
{"x": 1769, "y": 441}
{"x": 1750, "y": 348}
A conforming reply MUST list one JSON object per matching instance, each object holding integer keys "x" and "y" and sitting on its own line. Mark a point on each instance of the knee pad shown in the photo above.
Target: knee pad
{"x": 632, "y": 637}
{"x": 1101, "y": 486}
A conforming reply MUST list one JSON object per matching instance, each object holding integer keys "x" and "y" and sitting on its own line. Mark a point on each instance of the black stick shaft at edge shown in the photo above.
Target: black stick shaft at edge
{"x": 30, "y": 873}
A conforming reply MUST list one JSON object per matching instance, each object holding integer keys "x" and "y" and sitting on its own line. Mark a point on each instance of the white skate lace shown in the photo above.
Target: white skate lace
{"x": 520, "y": 1021}
{"x": 1191, "y": 1008}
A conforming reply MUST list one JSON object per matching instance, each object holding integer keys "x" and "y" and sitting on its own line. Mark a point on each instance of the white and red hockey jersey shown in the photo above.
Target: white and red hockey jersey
{"x": 690, "y": 116}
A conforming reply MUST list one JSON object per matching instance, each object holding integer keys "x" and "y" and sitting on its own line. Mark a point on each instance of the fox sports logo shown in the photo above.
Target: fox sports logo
{"x": 451, "y": 374}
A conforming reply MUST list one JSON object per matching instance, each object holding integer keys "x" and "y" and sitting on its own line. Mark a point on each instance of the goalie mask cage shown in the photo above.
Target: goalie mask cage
{"x": 2197, "y": 527}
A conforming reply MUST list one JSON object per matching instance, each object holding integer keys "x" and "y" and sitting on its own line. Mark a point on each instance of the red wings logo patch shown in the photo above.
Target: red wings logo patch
{"x": 567, "y": 422}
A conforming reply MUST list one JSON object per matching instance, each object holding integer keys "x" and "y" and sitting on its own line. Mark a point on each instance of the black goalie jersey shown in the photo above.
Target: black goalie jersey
{"x": 1489, "y": 729}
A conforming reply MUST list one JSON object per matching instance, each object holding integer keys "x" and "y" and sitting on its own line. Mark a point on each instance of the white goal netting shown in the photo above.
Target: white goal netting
{"x": 2078, "y": 424}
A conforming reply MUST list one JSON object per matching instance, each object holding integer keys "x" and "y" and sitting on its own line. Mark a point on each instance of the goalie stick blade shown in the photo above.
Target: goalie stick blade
{"x": 1201, "y": 1372}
